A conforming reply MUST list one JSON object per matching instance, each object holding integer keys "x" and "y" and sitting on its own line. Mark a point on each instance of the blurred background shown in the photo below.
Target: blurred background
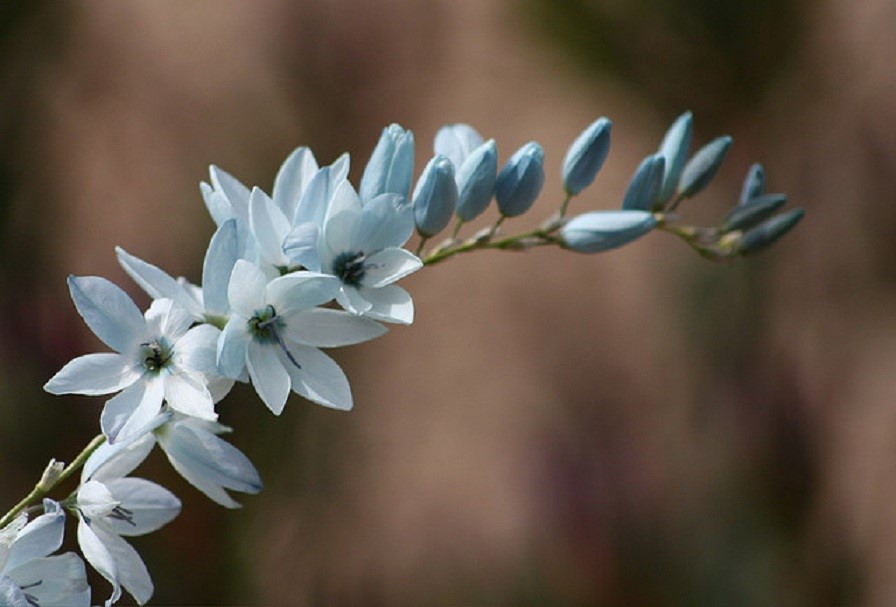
{"x": 641, "y": 427}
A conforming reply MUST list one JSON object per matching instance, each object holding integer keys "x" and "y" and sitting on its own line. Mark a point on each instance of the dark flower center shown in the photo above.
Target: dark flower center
{"x": 349, "y": 267}
{"x": 265, "y": 326}
{"x": 156, "y": 355}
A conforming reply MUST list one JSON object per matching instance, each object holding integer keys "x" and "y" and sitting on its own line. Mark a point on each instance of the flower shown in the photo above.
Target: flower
{"x": 586, "y": 156}
{"x": 391, "y": 166}
{"x": 435, "y": 197}
{"x": 274, "y": 331}
{"x": 361, "y": 246}
{"x": 109, "y": 506}
{"x": 604, "y": 230}
{"x": 29, "y": 577}
{"x": 158, "y": 357}
{"x": 456, "y": 142}
{"x": 520, "y": 180}
{"x": 192, "y": 446}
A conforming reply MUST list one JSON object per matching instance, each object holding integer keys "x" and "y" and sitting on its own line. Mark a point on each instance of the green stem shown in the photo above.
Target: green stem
{"x": 537, "y": 237}
{"x": 41, "y": 489}
{"x": 564, "y": 205}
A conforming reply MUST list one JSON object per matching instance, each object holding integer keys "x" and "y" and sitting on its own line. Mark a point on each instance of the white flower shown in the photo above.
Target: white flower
{"x": 157, "y": 357}
{"x": 274, "y": 332}
{"x": 29, "y": 577}
{"x": 207, "y": 462}
{"x": 109, "y": 507}
{"x": 361, "y": 246}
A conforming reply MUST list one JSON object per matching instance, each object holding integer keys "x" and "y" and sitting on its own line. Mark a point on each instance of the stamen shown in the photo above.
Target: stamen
{"x": 156, "y": 357}
{"x": 123, "y": 514}
{"x": 266, "y": 326}
{"x": 350, "y": 267}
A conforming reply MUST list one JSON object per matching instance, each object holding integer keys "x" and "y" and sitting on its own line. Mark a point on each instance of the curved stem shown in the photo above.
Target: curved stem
{"x": 44, "y": 486}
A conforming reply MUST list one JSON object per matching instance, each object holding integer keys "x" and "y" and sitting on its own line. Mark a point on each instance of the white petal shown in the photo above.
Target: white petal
{"x": 151, "y": 506}
{"x": 352, "y": 300}
{"x": 292, "y": 178}
{"x": 120, "y": 459}
{"x": 386, "y": 221}
{"x": 300, "y": 245}
{"x": 343, "y": 217}
{"x": 235, "y": 192}
{"x": 131, "y": 412}
{"x": 270, "y": 226}
{"x": 95, "y": 501}
{"x": 99, "y": 557}
{"x": 108, "y": 311}
{"x": 131, "y": 571}
{"x": 232, "y": 346}
{"x": 156, "y": 282}
{"x": 222, "y": 253}
{"x": 37, "y": 539}
{"x": 320, "y": 379}
{"x": 186, "y": 392}
{"x": 11, "y": 595}
{"x": 196, "y": 350}
{"x": 55, "y": 581}
{"x": 389, "y": 304}
{"x": 312, "y": 206}
{"x": 300, "y": 290}
{"x": 389, "y": 265}
{"x": 246, "y": 289}
{"x": 268, "y": 375}
{"x": 325, "y": 328}
{"x": 217, "y": 204}
{"x": 93, "y": 374}
{"x": 166, "y": 318}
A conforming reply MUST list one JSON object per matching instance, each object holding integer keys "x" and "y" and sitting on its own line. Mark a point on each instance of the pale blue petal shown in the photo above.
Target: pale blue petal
{"x": 11, "y": 595}
{"x": 222, "y": 253}
{"x": 674, "y": 149}
{"x": 292, "y": 178}
{"x": 99, "y": 557}
{"x": 131, "y": 412}
{"x": 300, "y": 245}
{"x": 156, "y": 282}
{"x": 108, "y": 311}
{"x": 247, "y": 288}
{"x": 351, "y": 299}
{"x": 165, "y": 318}
{"x": 120, "y": 459}
{"x": 386, "y": 221}
{"x": 301, "y": 290}
{"x": 270, "y": 226}
{"x": 476, "y": 181}
{"x": 232, "y": 347}
{"x": 186, "y": 392}
{"x": 218, "y": 206}
{"x": 320, "y": 379}
{"x": 389, "y": 304}
{"x": 269, "y": 378}
{"x": 235, "y": 192}
{"x": 315, "y": 200}
{"x": 38, "y": 538}
{"x": 342, "y": 217}
{"x": 457, "y": 142}
{"x": 196, "y": 350}
{"x": 56, "y": 581}
{"x": 209, "y": 463}
{"x": 326, "y": 328}
{"x": 151, "y": 506}
{"x": 91, "y": 374}
{"x": 391, "y": 165}
{"x": 389, "y": 265}
{"x": 131, "y": 571}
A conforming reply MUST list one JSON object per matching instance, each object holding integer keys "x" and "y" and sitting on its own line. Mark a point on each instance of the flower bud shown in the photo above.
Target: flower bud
{"x": 748, "y": 214}
{"x": 476, "y": 181}
{"x": 391, "y": 166}
{"x": 700, "y": 169}
{"x": 768, "y": 232}
{"x": 586, "y": 155}
{"x": 674, "y": 149}
{"x": 754, "y": 184}
{"x": 644, "y": 188}
{"x": 435, "y": 197}
{"x": 603, "y": 230}
{"x": 457, "y": 142}
{"x": 519, "y": 182}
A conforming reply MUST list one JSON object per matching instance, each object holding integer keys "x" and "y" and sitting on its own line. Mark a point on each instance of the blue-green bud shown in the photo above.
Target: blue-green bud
{"x": 674, "y": 149}
{"x": 754, "y": 184}
{"x": 435, "y": 197}
{"x": 748, "y": 214}
{"x": 391, "y": 166}
{"x": 700, "y": 169}
{"x": 476, "y": 181}
{"x": 456, "y": 142}
{"x": 603, "y": 230}
{"x": 644, "y": 188}
{"x": 519, "y": 182}
{"x": 768, "y": 232}
{"x": 586, "y": 156}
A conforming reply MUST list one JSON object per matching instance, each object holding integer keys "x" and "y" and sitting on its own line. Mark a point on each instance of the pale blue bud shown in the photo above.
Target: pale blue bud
{"x": 768, "y": 232}
{"x": 674, "y": 149}
{"x": 700, "y": 169}
{"x": 457, "y": 142}
{"x": 586, "y": 155}
{"x": 753, "y": 212}
{"x": 603, "y": 230}
{"x": 644, "y": 188}
{"x": 476, "y": 180}
{"x": 435, "y": 197}
{"x": 519, "y": 182}
{"x": 391, "y": 166}
{"x": 754, "y": 184}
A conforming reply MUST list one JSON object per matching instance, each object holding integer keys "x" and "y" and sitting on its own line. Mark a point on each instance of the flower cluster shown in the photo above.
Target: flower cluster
{"x": 311, "y": 266}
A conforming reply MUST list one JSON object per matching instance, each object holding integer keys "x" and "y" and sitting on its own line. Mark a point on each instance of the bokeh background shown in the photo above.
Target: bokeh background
{"x": 641, "y": 427}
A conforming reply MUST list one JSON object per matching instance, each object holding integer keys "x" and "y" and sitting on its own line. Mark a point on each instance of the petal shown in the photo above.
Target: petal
{"x": 55, "y": 581}
{"x": 167, "y": 319}
{"x": 185, "y": 391}
{"x": 108, "y": 311}
{"x": 232, "y": 346}
{"x": 95, "y": 501}
{"x": 457, "y": 141}
{"x": 196, "y": 351}
{"x": 11, "y": 595}
{"x": 352, "y": 300}
{"x": 156, "y": 282}
{"x": 301, "y": 290}
{"x": 209, "y": 463}
{"x": 389, "y": 265}
{"x": 93, "y": 374}
{"x": 300, "y": 245}
{"x": 389, "y": 304}
{"x": 131, "y": 412}
{"x": 120, "y": 459}
{"x": 386, "y": 221}
{"x": 270, "y": 379}
{"x": 37, "y": 539}
{"x": 320, "y": 379}
{"x": 99, "y": 557}
{"x": 315, "y": 200}
{"x": 270, "y": 226}
{"x": 325, "y": 328}
{"x": 222, "y": 253}
{"x": 294, "y": 174}
{"x": 218, "y": 206}
{"x": 235, "y": 192}
{"x": 246, "y": 289}
{"x": 342, "y": 218}
{"x": 151, "y": 506}
{"x": 131, "y": 571}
